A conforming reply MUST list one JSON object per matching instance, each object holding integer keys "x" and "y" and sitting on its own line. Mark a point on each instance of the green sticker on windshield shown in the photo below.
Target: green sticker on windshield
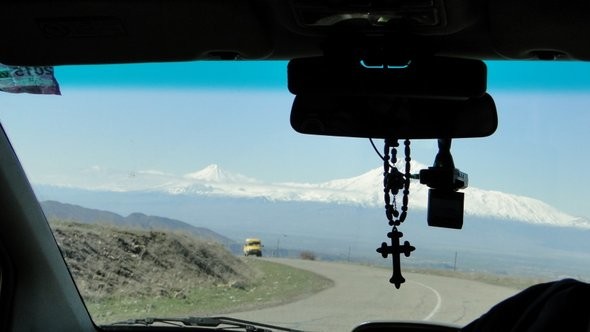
{"x": 37, "y": 80}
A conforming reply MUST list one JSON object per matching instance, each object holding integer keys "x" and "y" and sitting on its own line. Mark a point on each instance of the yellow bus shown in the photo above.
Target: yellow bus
{"x": 253, "y": 246}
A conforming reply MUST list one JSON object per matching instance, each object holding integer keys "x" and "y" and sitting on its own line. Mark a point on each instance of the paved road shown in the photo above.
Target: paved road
{"x": 363, "y": 293}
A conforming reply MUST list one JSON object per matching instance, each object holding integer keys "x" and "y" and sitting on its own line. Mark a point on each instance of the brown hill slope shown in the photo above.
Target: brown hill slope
{"x": 106, "y": 261}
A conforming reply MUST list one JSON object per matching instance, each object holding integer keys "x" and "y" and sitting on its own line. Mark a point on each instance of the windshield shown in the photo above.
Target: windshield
{"x": 180, "y": 190}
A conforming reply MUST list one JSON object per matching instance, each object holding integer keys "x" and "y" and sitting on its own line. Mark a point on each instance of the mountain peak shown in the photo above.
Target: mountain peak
{"x": 214, "y": 173}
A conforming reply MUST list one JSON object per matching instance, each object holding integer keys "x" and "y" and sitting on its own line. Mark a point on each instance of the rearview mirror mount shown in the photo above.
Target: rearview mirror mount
{"x": 423, "y": 77}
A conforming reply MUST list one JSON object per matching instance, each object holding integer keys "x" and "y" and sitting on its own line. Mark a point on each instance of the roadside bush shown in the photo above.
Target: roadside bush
{"x": 307, "y": 255}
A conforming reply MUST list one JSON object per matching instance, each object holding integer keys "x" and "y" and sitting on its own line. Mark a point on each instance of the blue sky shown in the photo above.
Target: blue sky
{"x": 178, "y": 118}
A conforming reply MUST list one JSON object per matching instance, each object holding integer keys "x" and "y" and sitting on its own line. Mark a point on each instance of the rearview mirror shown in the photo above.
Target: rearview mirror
{"x": 380, "y": 116}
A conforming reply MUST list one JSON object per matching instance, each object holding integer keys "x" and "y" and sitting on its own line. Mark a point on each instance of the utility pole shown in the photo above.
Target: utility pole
{"x": 455, "y": 264}
{"x": 279, "y": 244}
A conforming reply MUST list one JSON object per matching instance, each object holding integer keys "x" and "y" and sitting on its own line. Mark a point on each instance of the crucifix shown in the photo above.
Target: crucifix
{"x": 395, "y": 181}
{"x": 396, "y": 250}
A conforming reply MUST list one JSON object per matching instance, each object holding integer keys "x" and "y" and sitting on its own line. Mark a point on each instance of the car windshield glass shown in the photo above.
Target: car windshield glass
{"x": 180, "y": 189}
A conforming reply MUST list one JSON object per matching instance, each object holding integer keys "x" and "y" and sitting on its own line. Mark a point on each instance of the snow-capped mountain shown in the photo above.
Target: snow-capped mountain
{"x": 364, "y": 190}
{"x": 214, "y": 173}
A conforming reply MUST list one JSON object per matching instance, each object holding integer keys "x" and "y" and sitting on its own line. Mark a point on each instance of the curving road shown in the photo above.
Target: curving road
{"x": 363, "y": 293}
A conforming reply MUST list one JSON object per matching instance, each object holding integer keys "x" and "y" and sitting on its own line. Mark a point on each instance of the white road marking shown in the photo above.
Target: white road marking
{"x": 438, "y": 300}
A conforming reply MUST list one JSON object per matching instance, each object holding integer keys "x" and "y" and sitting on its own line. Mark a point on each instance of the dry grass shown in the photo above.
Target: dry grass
{"x": 516, "y": 282}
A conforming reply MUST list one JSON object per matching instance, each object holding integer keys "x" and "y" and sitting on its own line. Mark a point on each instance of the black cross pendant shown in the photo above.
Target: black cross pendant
{"x": 396, "y": 250}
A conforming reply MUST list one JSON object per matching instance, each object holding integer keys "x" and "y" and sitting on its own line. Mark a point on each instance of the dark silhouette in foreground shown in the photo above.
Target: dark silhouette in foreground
{"x": 555, "y": 306}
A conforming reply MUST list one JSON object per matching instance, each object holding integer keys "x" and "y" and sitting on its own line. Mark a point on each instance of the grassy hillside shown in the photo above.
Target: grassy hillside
{"x": 129, "y": 273}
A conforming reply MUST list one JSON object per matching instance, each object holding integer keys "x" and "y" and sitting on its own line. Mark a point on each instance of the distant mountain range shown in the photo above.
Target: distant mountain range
{"x": 362, "y": 190}
{"x": 69, "y": 212}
